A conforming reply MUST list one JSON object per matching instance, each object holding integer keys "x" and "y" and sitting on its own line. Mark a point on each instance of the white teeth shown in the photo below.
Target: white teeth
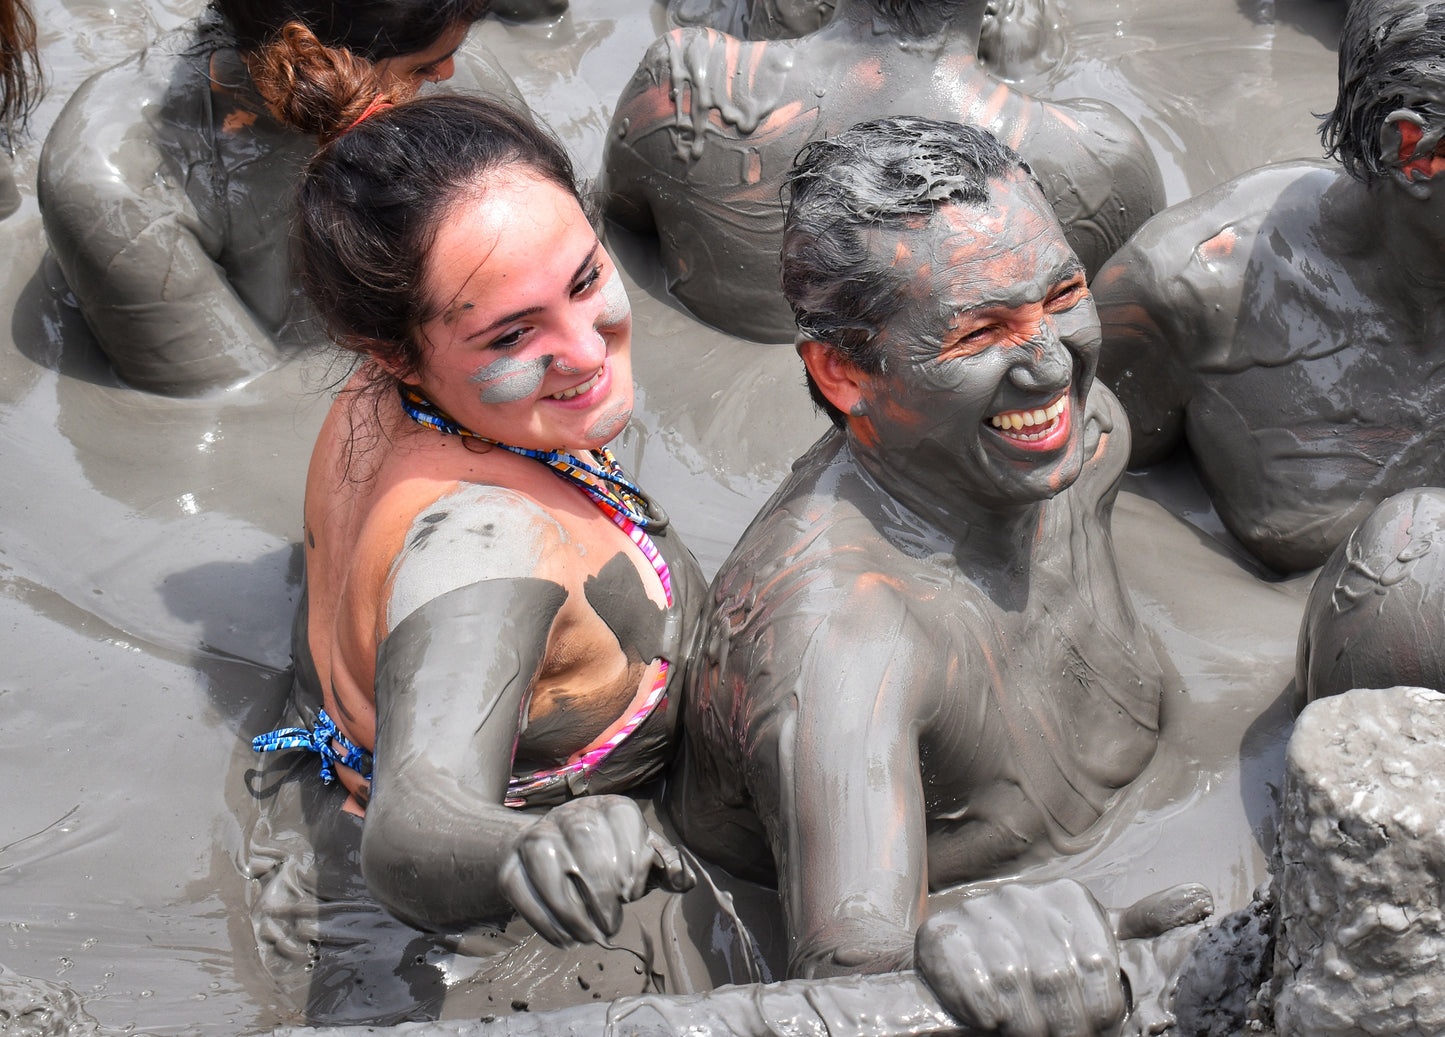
{"x": 1014, "y": 420}
{"x": 578, "y": 390}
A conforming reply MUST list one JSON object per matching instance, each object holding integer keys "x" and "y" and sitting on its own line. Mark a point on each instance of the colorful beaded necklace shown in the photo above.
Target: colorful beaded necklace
{"x": 604, "y": 482}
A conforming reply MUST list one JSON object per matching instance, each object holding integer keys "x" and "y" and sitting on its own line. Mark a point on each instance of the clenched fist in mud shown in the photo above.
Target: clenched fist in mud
{"x": 1043, "y": 960}
{"x": 570, "y": 873}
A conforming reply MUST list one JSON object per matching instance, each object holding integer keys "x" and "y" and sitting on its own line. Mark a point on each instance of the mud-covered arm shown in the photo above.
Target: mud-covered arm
{"x": 852, "y": 843}
{"x": 469, "y": 617}
{"x": 135, "y": 251}
{"x": 837, "y": 749}
{"x": 450, "y": 683}
{"x": 1147, "y": 337}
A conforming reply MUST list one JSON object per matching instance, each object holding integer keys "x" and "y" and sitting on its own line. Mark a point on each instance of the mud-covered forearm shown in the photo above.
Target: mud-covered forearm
{"x": 852, "y": 946}
{"x": 450, "y": 684}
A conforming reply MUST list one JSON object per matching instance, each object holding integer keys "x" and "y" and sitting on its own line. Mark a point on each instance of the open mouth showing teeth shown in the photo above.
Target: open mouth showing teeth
{"x": 577, "y": 390}
{"x": 1030, "y": 425}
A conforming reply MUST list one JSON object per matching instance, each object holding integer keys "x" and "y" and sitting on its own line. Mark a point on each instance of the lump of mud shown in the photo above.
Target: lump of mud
{"x": 1362, "y": 853}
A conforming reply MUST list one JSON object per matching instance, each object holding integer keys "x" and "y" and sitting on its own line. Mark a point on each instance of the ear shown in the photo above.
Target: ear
{"x": 836, "y": 377}
{"x": 1409, "y": 153}
{"x": 384, "y": 355}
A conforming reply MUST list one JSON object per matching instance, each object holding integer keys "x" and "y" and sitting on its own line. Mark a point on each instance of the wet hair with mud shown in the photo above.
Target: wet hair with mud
{"x": 21, "y": 77}
{"x": 1388, "y": 48}
{"x": 374, "y": 29}
{"x": 889, "y": 173}
{"x": 918, "y": 17}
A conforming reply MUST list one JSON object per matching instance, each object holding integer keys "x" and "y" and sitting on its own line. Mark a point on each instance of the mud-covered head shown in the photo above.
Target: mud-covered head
{"x": 377, "y": 30}
{"x": 888, "y": 173}
{"x": 1391, "y": 71}
{"x": 445, "y": 239}
{"x": 944, "y": 319}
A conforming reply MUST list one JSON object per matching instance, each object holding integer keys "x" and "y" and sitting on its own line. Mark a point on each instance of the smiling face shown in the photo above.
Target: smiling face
{"x": 991, "y": 356}
{"x": 531, "y": 341}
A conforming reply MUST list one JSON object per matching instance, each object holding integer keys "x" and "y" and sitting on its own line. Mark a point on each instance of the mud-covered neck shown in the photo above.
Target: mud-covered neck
{"x": 950, "y": 516}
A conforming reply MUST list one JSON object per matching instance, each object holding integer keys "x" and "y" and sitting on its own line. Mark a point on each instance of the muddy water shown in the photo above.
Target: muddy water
{"x": 147, "y": 547}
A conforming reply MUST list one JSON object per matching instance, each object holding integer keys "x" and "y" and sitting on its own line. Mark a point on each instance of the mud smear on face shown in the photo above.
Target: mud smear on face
{"x": 508, "y": 380}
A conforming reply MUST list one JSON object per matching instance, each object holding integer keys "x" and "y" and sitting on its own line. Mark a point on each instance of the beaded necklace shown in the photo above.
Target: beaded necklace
{"x": 604, "y": 482}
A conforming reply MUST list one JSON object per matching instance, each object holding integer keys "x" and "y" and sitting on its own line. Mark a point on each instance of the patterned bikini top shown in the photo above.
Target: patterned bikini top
{"x": 620, "y": 499}
{"x": 629, "y": 509}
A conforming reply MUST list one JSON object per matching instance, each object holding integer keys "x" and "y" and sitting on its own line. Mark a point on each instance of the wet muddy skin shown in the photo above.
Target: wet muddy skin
{"x": 149, "y": 555}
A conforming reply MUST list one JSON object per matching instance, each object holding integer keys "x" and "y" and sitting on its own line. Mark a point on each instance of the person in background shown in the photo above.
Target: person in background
{"x": 705, "y": 132}
{"x": 1288, "y": 326}
{"x": 165, "y": 184}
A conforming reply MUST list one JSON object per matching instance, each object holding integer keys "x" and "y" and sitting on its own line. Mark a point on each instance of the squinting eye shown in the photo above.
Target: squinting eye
{"x": 1068, "y": 295}
{"x": 587, "y": 282}
{"x": 508, "y": 340}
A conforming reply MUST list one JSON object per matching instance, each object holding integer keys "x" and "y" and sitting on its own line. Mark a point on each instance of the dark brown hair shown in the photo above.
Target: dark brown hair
{"x": 371, "y": 200}
{"x": 20, "y": 75}
{"x": 373, "y": 29}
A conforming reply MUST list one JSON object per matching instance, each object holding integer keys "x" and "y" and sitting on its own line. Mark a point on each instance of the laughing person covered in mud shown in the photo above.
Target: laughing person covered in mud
{"x": 494, "y": 615}
{"x": 164, "y": 185}
{"x": 1289, "y": 325}
{"x": 705, "y": 133}
{"x": 919, "y": 667}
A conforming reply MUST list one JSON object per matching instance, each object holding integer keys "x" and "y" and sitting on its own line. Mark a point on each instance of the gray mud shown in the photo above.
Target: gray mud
{"x": 149, "y": 565}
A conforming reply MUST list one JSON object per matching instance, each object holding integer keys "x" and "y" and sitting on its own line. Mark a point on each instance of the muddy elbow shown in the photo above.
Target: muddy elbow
{"x": 412, "y": 872}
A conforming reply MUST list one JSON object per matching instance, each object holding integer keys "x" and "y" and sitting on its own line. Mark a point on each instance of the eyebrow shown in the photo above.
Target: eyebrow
{"x": 437, "y": 61}
{"x": 455, "y": 312}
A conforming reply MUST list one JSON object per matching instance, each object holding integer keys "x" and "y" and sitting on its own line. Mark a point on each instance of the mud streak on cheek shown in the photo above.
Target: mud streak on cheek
{"x": 508, "y": 380}
{"x": 616, "y": 307}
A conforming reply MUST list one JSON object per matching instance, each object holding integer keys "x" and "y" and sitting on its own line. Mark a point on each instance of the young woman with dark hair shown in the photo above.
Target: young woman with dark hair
{"x": 495, "y": 614}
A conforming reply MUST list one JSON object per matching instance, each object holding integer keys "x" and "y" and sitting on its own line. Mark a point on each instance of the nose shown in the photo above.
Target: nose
{"x": 441, "y": 71}
{"x": 1042, "y": 363}
{"x": 586, "y": 347}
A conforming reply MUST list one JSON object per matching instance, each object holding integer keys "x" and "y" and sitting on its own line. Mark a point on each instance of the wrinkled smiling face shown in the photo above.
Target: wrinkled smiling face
{"x": 991, "y": 357}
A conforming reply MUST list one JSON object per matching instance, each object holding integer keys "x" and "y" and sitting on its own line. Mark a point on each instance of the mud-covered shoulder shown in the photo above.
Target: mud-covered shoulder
{"x": 1184, "y": 268}
{"x": 107, "y": 129}
{"x": 1098, "y": 173}
{"x": 471, "y": 534}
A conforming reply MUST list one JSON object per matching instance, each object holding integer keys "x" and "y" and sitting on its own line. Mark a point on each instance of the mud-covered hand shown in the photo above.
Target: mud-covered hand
{"x": 1026, "y": 961}
{"x": 570, "y": 873}
{"x": 1159, "y": 912}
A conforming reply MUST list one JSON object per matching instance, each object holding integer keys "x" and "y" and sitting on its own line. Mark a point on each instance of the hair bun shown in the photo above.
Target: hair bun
{"x": 318, "y": 89}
